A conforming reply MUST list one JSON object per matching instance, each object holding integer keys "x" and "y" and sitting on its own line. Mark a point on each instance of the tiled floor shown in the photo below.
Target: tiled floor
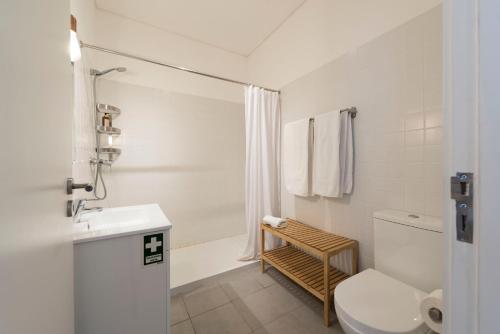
{"x": 192, "y": 263}
{"x": 245, "y": 301}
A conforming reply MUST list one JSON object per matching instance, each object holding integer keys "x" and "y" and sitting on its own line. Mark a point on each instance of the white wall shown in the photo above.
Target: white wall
{"x": 315, "y": 34}
{"x": 395, "y": 82}
{"x": 36, "y": 249}
{"x": 318, "y": 32}
{"x": 184, "y": 152}
{"x": 323, "y": 30}
{"x": 114, "y": 32}
{"x": 183, "y": 134}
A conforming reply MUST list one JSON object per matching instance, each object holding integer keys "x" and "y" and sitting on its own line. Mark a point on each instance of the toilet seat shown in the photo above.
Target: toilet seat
{"x": 374, "y": 303}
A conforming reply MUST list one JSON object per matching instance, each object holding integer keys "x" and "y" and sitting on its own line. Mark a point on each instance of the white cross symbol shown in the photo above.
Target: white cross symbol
{"x": 153, "y": 244}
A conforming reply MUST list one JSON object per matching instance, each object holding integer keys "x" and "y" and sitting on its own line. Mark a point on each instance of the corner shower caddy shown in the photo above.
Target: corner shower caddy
{"x": 107, "y": 154}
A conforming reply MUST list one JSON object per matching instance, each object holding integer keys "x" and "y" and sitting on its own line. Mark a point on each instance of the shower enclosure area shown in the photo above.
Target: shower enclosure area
{"x": 183, "y": 151}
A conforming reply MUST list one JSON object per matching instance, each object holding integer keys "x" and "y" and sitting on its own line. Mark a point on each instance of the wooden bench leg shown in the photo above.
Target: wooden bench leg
{"x": 326, "y": 282}
{"x": 262, "y": 243}
{"x": 354, "y": 258}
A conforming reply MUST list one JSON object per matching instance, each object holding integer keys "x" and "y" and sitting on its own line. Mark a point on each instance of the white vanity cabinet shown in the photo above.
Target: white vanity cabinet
{"x": 121, "y": 259}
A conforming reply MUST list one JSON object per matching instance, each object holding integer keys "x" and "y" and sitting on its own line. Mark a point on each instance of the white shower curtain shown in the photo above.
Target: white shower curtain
{"x": 262, "y": 166}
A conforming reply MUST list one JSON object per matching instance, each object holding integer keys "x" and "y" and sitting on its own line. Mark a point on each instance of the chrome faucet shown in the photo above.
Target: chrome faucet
{"x": 80, "y": 209}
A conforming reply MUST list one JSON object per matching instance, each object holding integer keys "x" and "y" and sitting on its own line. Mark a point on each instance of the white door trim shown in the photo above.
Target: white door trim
{"x": 488, "y": 291}
{"x": 461, "y": 104}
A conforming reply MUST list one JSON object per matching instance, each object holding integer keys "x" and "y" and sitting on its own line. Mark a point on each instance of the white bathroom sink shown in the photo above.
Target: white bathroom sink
{"x": 114, "y": 222}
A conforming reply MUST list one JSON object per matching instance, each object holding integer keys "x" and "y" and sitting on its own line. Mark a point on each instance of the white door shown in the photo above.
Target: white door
{"x": 36, "y": 253}
{"x": 472, "y": 102}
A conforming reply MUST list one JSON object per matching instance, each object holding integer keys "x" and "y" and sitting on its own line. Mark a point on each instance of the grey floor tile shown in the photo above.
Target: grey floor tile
{"x": 284, "y": 296}
{"x": 286, "y": 324}
{"x": 267, "y": 305}
{"x": 253, "y": 271}
{"x": 184, "y": 327}
{"x": 337, "y": 328}
{"x": 202, "y": 301}
{"x": 265, "y": 278}
{"x": 296, "y": 290}
{"x": 222, "y": 320}
{"x": 178, "y": 310}
{"x": 312, "y": 318}
{"x": 239, "y": 287}
{"x": 239, "y": 272}
{"x": 195, "y": 287}
{"x": 247, "y": 314}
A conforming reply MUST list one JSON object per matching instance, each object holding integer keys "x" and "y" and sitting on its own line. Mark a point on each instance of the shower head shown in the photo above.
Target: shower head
{"x": 99, "y": 73}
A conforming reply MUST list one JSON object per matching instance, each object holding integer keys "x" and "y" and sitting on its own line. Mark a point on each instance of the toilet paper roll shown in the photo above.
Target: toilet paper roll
{"x": 431, "y": 309}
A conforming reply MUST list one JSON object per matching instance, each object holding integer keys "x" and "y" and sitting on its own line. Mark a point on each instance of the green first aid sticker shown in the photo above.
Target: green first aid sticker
{"x": 153, "y": 248}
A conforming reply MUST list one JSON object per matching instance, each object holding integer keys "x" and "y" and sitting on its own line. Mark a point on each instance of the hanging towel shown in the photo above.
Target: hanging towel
{"x": 326, "y": 160}
{"x": 296, "y": 139}
{"x": 275, "y": 222}
{"x": 346, "y": 153}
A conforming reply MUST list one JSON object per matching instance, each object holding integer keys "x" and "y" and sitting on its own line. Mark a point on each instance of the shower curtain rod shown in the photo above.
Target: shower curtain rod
{"x": 128, "y": 55}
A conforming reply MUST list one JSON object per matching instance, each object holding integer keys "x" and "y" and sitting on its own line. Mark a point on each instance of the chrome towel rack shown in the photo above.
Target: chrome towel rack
{"x": 352, "y": 111}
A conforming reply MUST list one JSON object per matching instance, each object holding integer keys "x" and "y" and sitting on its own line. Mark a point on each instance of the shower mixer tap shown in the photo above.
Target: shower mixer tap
{"x": 76, "y": 209}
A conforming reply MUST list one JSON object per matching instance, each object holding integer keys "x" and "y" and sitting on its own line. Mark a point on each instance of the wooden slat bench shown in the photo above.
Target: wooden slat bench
{"x": 306, "y": 258}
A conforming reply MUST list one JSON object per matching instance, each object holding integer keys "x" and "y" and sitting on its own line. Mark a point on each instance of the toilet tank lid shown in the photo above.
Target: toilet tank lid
{"x": 410, "y": 219}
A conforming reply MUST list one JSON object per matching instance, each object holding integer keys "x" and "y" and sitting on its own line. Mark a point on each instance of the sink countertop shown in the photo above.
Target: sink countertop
{"x": 119, "y": 222}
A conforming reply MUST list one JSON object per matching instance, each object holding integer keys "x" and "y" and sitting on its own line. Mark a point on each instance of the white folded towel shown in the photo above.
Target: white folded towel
{"x": 275, "y": 222}
{"x": 326, "y": 161}
{"x": 296, "y": 142}
{"x": 333, "y": 154}
{"x": 346, "y": 153}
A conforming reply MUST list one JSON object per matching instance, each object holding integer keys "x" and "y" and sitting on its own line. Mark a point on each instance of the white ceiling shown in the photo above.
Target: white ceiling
{"x": 238, "y": 26}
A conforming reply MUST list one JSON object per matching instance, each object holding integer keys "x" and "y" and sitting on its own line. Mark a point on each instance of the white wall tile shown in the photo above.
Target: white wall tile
{"x": 414, "y": 121}
{"x": 184, "y": 152}
{"x": 394, "y": 81}
{"x": 433, "y": 136}
{"x": 433, "y": 118}
{"x": 414, "y": 188}
{"x": 414, "y": 154}
{"x": 415, "y": 204}
{"x": 433, "y": 171}
{"x": 413, "y": 170}
{"x": 434, "y": 206}
{"x": 414, "y": 138}
{"x": 433, "y": 153}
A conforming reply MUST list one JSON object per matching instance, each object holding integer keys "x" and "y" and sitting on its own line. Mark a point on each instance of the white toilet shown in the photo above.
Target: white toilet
{"x": 408, "y": 265}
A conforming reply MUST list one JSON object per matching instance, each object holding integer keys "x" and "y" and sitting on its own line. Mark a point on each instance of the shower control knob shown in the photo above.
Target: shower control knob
{"x": 70, "y": 186}
{"x": 88, "y": 187}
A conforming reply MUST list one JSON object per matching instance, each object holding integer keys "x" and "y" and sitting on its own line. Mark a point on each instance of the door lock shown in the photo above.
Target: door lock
{"x": 462, "y": 186}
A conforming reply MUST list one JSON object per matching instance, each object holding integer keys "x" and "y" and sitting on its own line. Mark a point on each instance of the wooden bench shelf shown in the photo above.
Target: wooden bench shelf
{"x": 305, "y": 269}
{"x": 306, "y": 259}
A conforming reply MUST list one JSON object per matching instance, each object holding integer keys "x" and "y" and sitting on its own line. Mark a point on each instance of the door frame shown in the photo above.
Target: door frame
{"x": 460, "y": 66}
{"x": 472, "y": 138}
